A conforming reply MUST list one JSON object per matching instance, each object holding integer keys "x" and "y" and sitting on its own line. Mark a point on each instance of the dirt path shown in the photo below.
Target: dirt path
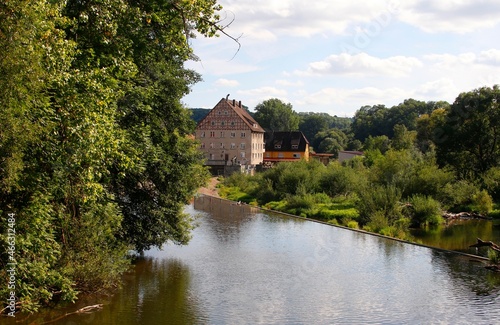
{"x": 210, "y": 189}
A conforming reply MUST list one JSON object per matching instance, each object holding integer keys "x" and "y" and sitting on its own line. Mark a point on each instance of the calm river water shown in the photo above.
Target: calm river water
{"x": 243, "y": 266}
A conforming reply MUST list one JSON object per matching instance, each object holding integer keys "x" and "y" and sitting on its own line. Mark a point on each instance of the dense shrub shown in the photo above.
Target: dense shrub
{"x": 379, "y": 199}
{"x": 353, "y": 224}
{"x": 457, "y": 196}
{"x": 377, "y": 222}
{"x": 482, "y": 202}
{"x": 423, "y": 210}
{"x": 491, "y": 180}
{"x": 338, "y": 180}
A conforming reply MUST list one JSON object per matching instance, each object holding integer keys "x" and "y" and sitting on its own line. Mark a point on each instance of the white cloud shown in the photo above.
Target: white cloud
{"x": 355, "y": 98}
{"x": 362, "y": 64}
{"x": 490, "y": 57}
{"x": 264, "y": 91}
{"x": 227, "y": 83}
{"x": 444, "y": 88}
{"x": 450, "y": 60}
{"x": 457, "y": 16}
{"x": 270, "y": 19}
{"x": 219, "y": 67}
{"x": 288, "y": 83}
{"x": 257, "y": 95}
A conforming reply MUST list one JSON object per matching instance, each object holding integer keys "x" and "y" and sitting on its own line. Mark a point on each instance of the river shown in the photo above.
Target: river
{"x": 244, "y": 266}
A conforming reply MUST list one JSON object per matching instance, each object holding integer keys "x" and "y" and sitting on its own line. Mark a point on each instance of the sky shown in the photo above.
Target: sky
{"x": 335, "y": 56}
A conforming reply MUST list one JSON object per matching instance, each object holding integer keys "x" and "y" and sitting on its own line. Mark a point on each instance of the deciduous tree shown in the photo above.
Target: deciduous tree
{"x": 275, "y": 115}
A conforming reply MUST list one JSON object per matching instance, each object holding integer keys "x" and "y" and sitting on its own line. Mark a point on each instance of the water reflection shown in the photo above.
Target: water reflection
{"x": 248, "y": 267}
{"x": 459, "y": 235}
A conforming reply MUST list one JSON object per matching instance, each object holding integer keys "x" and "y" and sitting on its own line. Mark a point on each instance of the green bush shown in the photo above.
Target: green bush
{"x": 300, "y": 201}
{"x": 333, "y": 222}
{"x": 491, "y": 180}
{"x": 276, "y": 205}
{"x": 340, "y": 214}
{"x": 377, "y": 222}
{"x": 379, "y": 199}
{"x": 353, "y": 224}
{"x": 482, "y": 202}
{"x": 457, "y": 196}
{"x": 423, "y": 210}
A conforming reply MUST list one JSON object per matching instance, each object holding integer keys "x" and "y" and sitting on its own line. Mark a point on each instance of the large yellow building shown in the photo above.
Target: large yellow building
{"x": 229, "y": 135}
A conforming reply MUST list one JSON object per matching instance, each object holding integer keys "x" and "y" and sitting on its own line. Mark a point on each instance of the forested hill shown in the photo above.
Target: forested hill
{"x": 199, "y": 113}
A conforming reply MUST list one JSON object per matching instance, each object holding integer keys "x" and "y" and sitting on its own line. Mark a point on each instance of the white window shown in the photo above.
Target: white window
{"x": 212, "y": 156}
{"x": 202, "y": 135}
{"x": 203, "y": 145}
{"x": 222, "y": 145}
{"x": 212, "y": 134}
{"x": 242, "y": 154}
{"x": 222, "y": 134}
{"x": 243, "y": 134}
{"x": 233, "y": 134}
{"x": 233, "y": 146}
{"x": 242, "y": 145}
{"x": 212, "y": 145}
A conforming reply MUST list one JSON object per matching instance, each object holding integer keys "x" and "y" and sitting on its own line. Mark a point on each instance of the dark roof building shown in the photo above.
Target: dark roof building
{"x": 285, "y": 146}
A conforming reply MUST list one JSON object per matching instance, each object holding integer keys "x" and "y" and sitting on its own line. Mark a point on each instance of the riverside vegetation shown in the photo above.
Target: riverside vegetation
{"x": 421, "y": 160}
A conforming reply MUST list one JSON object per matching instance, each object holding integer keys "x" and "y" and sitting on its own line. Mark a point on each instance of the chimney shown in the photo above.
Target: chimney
{"x": 234, "y": 102}
{"x": 239, "y": 104}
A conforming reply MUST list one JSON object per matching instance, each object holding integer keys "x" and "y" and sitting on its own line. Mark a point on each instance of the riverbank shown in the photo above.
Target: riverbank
{"x": 211, "y": 188}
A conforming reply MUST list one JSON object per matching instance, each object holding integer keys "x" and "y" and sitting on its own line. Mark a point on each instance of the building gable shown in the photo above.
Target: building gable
{"x": 229, "y": 115}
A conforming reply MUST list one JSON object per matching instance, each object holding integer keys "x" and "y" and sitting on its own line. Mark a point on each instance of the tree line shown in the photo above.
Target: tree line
{"x": 421, "y": 160}
{"x": 96, "y": 153}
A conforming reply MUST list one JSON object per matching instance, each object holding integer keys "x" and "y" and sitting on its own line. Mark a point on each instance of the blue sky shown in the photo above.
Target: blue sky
{"x": 337, "y": 56}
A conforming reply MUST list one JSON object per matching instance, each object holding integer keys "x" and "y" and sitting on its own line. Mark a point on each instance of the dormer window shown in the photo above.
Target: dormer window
{"x": 277, "y": 146}
{"x": 295, "y": 146}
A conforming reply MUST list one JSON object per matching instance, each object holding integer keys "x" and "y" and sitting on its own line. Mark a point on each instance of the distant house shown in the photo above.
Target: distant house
{"x": 346, "y": 155}
{"x": 230, "y": 136}
{"x": 324, "y": 158}
{"x": 285, "y": 146}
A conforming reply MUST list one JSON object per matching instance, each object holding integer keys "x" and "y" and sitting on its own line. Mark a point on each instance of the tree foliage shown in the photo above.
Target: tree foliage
{"x": 96, "y": 153}
{"x": 470, "y": 135}
{"x": 275, "y": 115}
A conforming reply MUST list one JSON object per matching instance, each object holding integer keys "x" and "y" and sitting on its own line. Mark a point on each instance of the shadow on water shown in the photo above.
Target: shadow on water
{"x": 459, "y": 235}
{"x": 155, "y": 292}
